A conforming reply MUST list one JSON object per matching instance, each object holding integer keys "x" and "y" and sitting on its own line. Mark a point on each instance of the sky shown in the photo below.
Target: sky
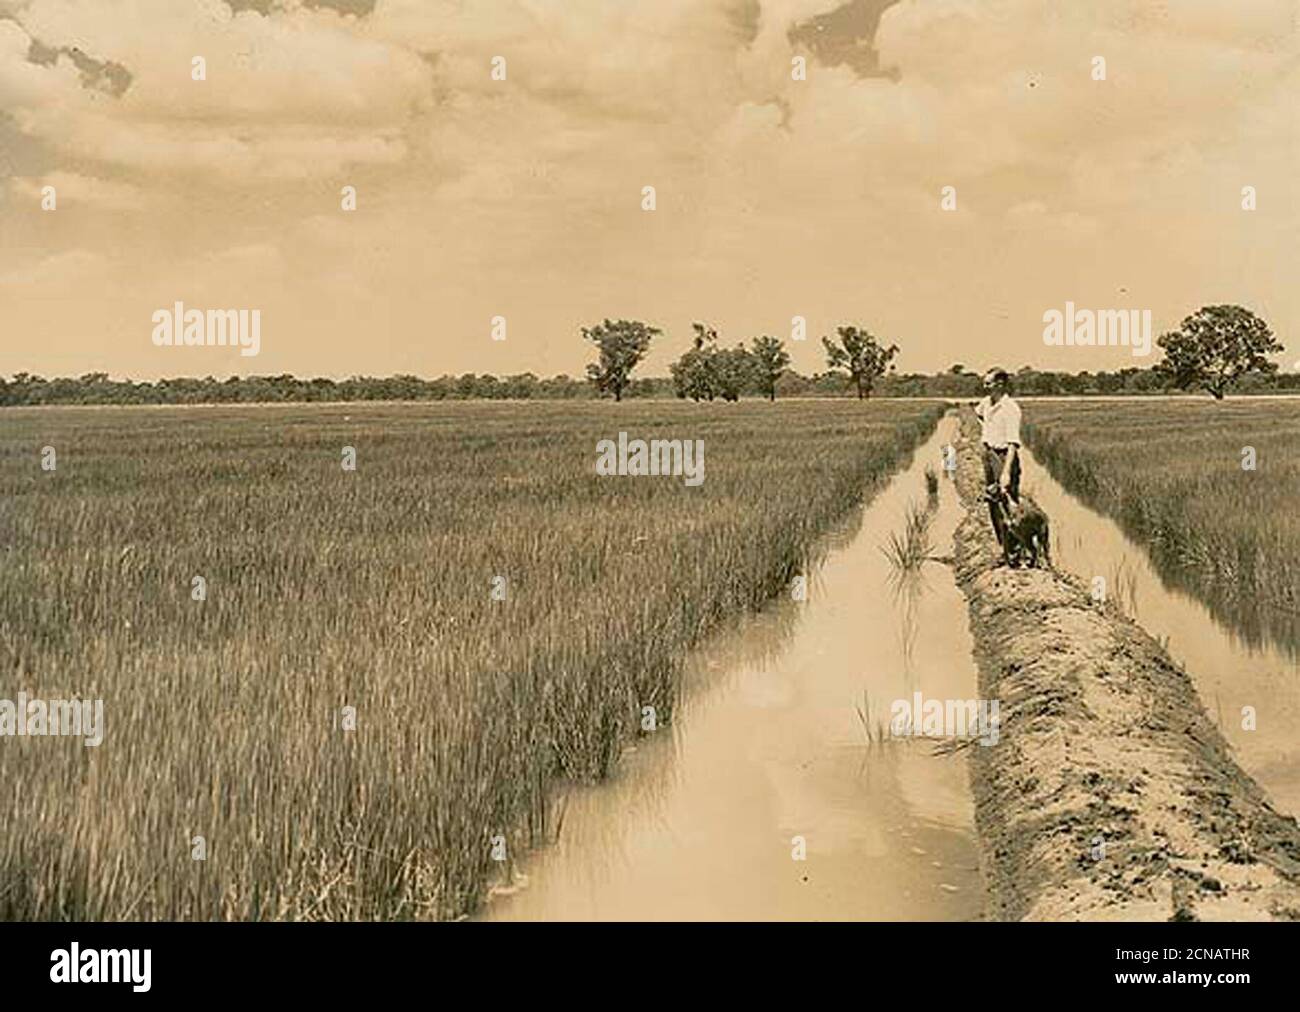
{"x": 777, "y": 194}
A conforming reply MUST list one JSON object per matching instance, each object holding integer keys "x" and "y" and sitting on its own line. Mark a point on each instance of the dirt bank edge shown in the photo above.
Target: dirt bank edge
{"x": 1110, "y": 795}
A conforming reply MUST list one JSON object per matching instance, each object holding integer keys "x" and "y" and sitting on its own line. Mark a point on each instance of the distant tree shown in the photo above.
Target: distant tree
{"x": 861, "y": 355}
{"x": 321, "y": 389}
{"x": 1109, "y": 382}
{"x": 957, "y": 369}
{"x": 1216, "y": 346}
{"x": 733, "y": 371}
{"x": 770, "y": 360}
{"x": 1137, "y": 381}
{"x": 695, "y": 374}
{"x": 521, "y": 387}
{"x": 792, "y": 384}
{"x": 705, "y": 372}
{"x": 827, "y": 383}
{"x": 622, "y": 344}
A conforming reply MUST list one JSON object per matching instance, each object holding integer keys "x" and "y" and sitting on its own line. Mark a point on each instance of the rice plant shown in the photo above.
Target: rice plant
{"x": 1208, "y": 488}
{"x": 365, "y": 714}
{"x": 909, "y": 548}
{"x": 878, "y": 732}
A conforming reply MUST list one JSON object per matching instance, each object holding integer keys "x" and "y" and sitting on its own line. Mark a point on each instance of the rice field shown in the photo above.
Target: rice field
{"x": 342, "y": 694}
{"x": 1174, "y": 475}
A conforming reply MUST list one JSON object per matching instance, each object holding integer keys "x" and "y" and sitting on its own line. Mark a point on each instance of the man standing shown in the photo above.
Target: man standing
{"x": 1000, "y": 421}
{"x": 982, "y": 413}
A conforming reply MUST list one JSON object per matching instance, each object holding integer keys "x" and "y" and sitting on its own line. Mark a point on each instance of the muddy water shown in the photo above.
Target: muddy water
{"x": 770, "y": 743}
{"x": 1228, "y": 674}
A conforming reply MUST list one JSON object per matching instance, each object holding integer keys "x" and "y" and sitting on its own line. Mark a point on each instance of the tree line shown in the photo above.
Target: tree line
{"x": 707, "y": 370}
{"x": 1218, "y": 349}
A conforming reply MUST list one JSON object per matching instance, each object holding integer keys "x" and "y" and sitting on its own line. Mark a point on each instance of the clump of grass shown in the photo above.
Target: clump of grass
{"x": 877, "y": 732}
{"x": 931, "y": 483}
{"x": 1124, "y": 580}
{"x": 907, "y": 549}
{"x": 370, "y": 590}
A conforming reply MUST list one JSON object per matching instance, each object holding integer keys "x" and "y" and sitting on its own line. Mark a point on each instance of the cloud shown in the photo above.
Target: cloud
{"x": 289, "y": 95}
{"x": 58, "y": 272}
{"x": 261, "y": 259}
{"x": 296, "y": 92}
{"x": 775, "y": 196}
{"x": 73, "y": 188}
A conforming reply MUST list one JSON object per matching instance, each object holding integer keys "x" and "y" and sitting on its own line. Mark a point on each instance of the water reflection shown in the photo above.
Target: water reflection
{"x": 1231, "y": 669}
{"x": 1254, "y": 625}
{"x": 767, "y": 754}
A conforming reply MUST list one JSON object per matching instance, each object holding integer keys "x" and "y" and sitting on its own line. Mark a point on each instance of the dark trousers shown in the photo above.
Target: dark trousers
{"x": 994, "y": 461}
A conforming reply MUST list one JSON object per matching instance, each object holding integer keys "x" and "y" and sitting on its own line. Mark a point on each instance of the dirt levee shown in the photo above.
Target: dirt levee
{"x": 1110, "y": 794}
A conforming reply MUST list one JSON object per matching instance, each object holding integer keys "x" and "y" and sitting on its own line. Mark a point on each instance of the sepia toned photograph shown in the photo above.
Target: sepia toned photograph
{"x": 648, "y": 462}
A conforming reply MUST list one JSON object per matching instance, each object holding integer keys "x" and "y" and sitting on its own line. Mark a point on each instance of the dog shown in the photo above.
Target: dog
{"x": 1025, "y": 529}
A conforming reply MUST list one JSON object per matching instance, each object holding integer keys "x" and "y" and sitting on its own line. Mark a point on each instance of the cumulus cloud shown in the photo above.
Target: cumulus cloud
{"x": 290, "y": 94}
{"x": 74, "y": 188}
{"x": 776, "y": 196}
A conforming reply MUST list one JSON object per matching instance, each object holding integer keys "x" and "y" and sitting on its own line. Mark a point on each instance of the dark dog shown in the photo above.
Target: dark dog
{"x": 1025, "y": 530}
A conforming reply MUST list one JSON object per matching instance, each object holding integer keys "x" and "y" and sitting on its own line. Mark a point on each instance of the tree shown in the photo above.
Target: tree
{"x": 695, "y": 373}
{"x": 861, "y": 355}
{"x": 733, "y": 372}
{"x": 706, "y": 371}
{"x": 622, "y": 345}
{"x": 1214, "y": 347}
{"x": 769, "y": 359}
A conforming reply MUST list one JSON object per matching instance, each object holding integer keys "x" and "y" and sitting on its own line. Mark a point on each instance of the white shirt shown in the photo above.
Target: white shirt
{"x": 982, "y": 413}
{"x": 1002, "y": 424}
